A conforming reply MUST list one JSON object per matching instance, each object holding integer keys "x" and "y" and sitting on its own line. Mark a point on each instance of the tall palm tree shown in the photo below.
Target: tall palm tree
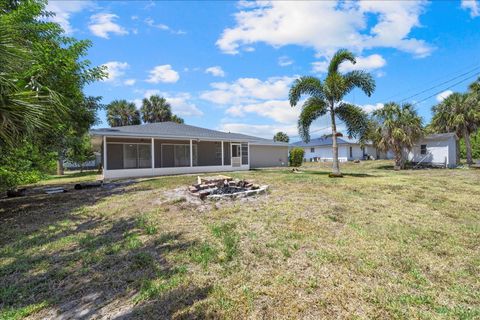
{"x": 396, "y": 128}
{"x": 326, "y": 96}
{"x": 122, "y": 113}
{"x": 459, "y": 113}
{"x": 156, "y": 109}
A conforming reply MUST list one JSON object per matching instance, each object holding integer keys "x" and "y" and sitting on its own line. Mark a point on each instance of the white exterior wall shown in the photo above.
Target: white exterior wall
{"x": 439, "y": 152}
{"x": 262, "y": 156}
{"x": 357, "y": 152}
{"x": 325, "y": 153}
{"x": 149, "y": 172}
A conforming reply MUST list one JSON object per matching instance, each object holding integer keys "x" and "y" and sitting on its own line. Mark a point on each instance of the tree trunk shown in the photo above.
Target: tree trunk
{"x": 60, "y": 168}
{"x": 468, "y": 147}
{"x": 398, "y": 160}
{"x": 336, "y": 166}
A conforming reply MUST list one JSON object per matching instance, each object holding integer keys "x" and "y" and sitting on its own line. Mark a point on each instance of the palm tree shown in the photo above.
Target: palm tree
{"x": 177, "y": 119}
{"x": 156, "y": 109}
{"x": 396, "y": 128}
{"x": 25, "y": 105}
{"x": 281, "y": 137}
{"x": 458, "y": 113}
{"x": 327, "y": 97}
{"x": 122, "y": 113}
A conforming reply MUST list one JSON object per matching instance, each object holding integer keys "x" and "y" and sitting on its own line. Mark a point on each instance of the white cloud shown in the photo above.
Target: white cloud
{"x": 215, "y": 71}
{"x": 163, "y": 73}
{"x": 368, "y": 63}
{"x": 284, "y": 61}
{"x": 115, "y": 70}
{"x": 180, "y": 102}
{"x": 64, "y": 10}
{"x": 473, "y": 6}
{"x": 443, "y": 95}
{"x": 150, "y": 22}
{"x": 342, "y": 25}
{"x": 248, "y": 90}
{"x": 102, "y": 24}
{"x": 259, "y": 130}
{"x": 278, "y": 110}
{"x": 371, "y": 107}
{"x": 129, "y": 82}
{"x": 182, "y": 106}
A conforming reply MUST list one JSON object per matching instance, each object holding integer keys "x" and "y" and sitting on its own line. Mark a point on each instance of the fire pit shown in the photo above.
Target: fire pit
{"x": 219, "y": 187}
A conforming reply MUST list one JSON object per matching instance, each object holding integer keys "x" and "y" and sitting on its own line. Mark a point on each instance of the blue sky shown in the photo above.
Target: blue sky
{"x": 228, "y": 65}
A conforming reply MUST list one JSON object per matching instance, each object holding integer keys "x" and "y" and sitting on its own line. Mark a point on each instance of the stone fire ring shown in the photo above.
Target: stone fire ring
{"x": 224, "y": 187}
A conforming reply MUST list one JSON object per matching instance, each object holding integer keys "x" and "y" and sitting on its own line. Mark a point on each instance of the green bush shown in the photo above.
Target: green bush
{"x": 24, "y": 164}
{"x": 475, "y": 142}
{"x": 296, "y": 157}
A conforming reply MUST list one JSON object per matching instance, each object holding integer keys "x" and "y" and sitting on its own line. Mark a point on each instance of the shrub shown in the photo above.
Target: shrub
{"x": 296, "y": 157}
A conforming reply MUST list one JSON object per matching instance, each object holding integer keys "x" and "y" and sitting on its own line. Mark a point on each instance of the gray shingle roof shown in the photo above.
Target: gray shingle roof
{"x": 177, "y": 130}
{"x": 322, "y": 141}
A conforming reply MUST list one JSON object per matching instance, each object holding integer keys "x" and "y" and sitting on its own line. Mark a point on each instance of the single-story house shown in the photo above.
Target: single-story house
{"x": 320, "y": 149}
{"x": 432, "y": 150}
{"x": 167, "y": 148}
{"x": 436, "y": 150}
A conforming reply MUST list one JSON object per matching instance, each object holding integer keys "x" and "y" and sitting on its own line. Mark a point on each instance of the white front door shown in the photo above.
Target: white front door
{"x": 236, "y": 155}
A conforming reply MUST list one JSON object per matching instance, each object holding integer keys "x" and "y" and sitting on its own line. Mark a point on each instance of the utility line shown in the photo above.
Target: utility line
{"x": 400, "y": 93}
{"x": 475, "y": 70}
{"x": 451, "y": 86}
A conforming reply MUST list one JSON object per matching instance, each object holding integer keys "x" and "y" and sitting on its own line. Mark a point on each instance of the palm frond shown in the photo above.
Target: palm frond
{"x": 338, "y": 58}
{"x": 306, "y": 85}
{"x": 359, "y": 79}
{"x": 312, "y": 109}
{"x": 355, "y": 119}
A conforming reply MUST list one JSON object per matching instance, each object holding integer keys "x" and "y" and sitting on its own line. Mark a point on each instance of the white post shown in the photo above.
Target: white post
{"x": 153, "y": 156}
{"x": 191, "y": 153}
{"x": 104, "y": 155}
{"x": 248, "y": 148}
{"x": 222, "y": 155}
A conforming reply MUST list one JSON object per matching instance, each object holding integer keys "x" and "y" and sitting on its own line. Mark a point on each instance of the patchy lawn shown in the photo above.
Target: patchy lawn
{"x": 375, "y": 244}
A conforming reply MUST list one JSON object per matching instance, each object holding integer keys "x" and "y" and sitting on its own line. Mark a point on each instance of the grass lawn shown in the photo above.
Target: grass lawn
{"x": 374, "y": 244}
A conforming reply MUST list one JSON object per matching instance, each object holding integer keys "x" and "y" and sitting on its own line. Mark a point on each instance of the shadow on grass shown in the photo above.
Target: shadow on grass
{"x": 69, "y": 175}
{"x": 346, "y": 174}
{"x": 84, "y": 265}
{"x": 311, "y": 172}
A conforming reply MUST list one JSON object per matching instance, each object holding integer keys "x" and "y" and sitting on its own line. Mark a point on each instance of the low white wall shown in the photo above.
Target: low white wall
{"x": 134, "y": 173}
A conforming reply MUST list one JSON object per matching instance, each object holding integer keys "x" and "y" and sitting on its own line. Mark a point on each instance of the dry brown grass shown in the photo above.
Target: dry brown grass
{"x": 374, "y": 244}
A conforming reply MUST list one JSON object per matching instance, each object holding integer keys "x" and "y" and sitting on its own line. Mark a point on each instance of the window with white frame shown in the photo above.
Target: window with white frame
{"x": 312, "y": 150}
{"x": 244, "y": 153}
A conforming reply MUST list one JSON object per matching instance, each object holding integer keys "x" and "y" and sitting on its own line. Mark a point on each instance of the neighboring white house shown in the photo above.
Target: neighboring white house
{"x": 320, "y": 149}
{"x": 435, "y": 149}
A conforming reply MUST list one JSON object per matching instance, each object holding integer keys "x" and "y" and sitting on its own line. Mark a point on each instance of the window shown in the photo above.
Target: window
{"x": 218, "y": 151}
{"x": 244, "y": 153}
{"x": 137, "y": 156}
{"x": 351, "y": 152}
{"x": 144, "y": 156}
{"x": 312, "y": 150}
{"x": 235, "y": 151}
{"x": 182, "y": 155}
{"x": 129, "y": 156}
{"x": 423, "y": 149}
